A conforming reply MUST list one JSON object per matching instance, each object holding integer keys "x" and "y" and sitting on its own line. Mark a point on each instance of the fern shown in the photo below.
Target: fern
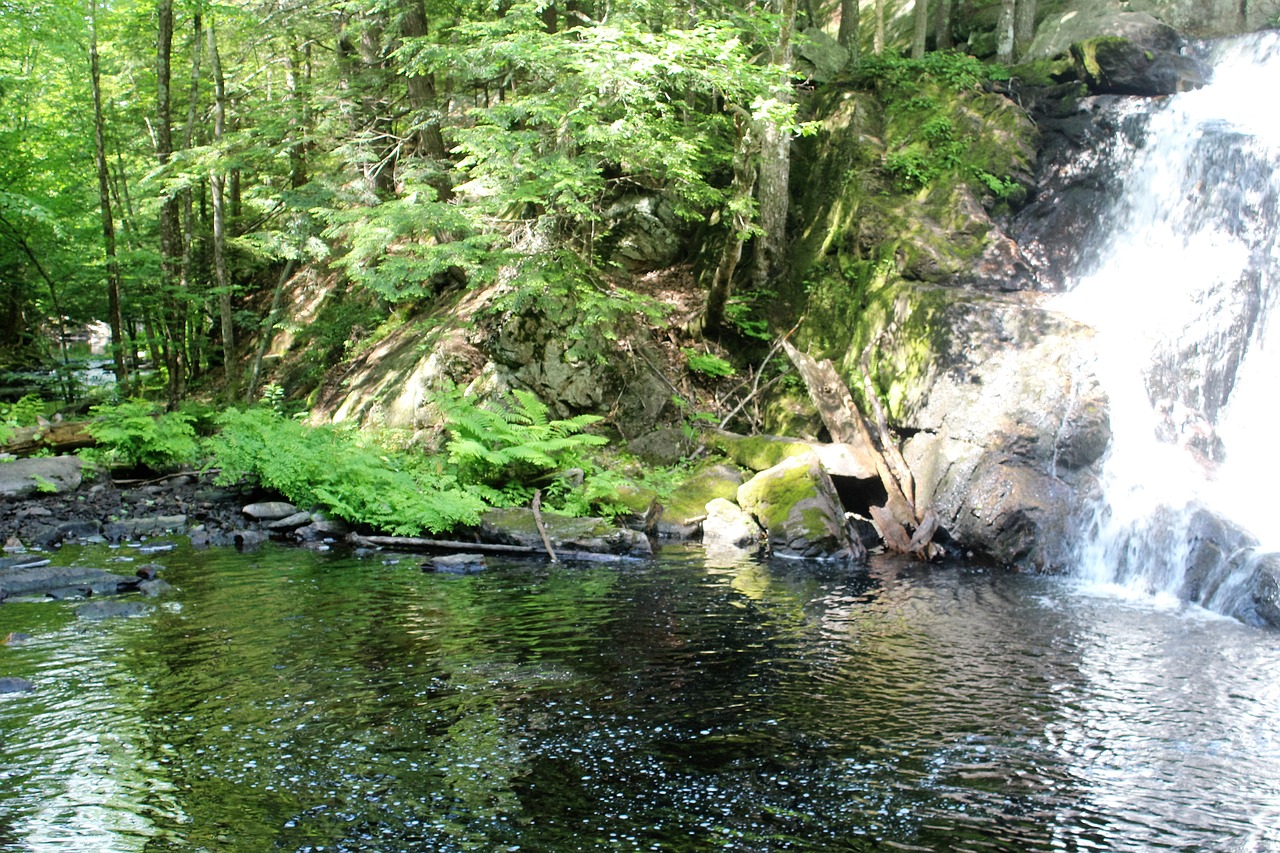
{"x": 335, "y": 469}
{"x": 509, "y": 444}
{"x": 137, "y": 432}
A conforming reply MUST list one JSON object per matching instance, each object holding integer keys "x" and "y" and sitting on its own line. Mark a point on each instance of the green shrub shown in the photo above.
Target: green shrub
{"x": 137, "y": 432}
{"x": 505, "y": 447}
{"x": 19, "y": 414}
{"x": 339, "y": 471}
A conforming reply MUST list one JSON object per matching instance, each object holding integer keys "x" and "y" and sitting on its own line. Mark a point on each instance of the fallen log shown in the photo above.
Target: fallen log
{"x": 420, "y": 543}
{"x": 60, "y": 438}
{"x": 847, "y": 425}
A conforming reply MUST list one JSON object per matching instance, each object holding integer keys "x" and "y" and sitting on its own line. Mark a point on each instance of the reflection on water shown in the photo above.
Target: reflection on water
{"x": 294, "y": 701}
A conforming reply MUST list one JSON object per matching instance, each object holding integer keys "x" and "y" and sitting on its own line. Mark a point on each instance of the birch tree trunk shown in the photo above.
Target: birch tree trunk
{"x": 1004, "y": 32}
{"x": 921, "y": 33}
{"x": 115, "y": 316}
{"x": 217, "y": 182}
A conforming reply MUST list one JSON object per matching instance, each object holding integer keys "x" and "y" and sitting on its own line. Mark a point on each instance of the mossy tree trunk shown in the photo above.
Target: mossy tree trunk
{"x": 921, "y": 33}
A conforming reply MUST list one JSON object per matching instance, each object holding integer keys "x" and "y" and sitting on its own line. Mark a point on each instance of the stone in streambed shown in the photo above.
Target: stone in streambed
{"x": 269, "y": 510}
{"x": 13, "y": 684}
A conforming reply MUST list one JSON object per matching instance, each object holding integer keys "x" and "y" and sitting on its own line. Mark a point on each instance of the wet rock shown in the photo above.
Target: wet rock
{"x": 13, "y": 684}
{"x": 98, "y": 610}
{"x": 516, "y": 526}
{"x": 1117, "y": 66}
{"x": 1265, "y": 592}
{"x": 684, "y": 512}
{"x": 44, "y": 579}
{"x": 269, "y": 510}
{"x": 155, "y": 587}
{"x": 248, "y": 539}
{"x": 291, "y": 522}
{"x": 25, "y": 478}
{"x": 728, "y": 525}
{"x": 456, "y": 564}
{"x": 797, "y": 505}
{"x": 136, "y": 528}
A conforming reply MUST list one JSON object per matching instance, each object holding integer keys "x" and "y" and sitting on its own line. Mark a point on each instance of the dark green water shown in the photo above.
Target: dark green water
{"x": 291, "y": 701}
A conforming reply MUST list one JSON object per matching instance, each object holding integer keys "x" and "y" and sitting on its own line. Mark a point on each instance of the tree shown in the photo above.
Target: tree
{"x": 115, "y": 316}
{"x": 847, "y": 35}
{"x": 921, "y": 32}
{"x": 1004, "y": 32}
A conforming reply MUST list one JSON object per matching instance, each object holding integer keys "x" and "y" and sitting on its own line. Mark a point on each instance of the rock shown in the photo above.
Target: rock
{"x": 269, "y": 510}
{"x": 822, "y": 54}
{"x": 13, "y": 684}
{"x": 25, "y": 478}
{"x": 248, "y": 539}
{"x": 135, "y": 528}
{"x": 797, "y": 505}
{"x": 14, "y": 638}
{"x": 663, "y": 447}
{"x": 728, "y": 525}
{"x": 1058, "y": 32}
{"x": 687, "y": 507}
{"x": 1117, "y": 66}
{"x": 642, "y": 232}
{"x": 155, "y": 587}
{"x": 456, "y": 564}
{"x": 44, "y": 579}
{"x": 291, "y": 522}
{"x": 1265, "y": 592}
{"x": 516, "y": 526}
{"x": 97, "y": 610}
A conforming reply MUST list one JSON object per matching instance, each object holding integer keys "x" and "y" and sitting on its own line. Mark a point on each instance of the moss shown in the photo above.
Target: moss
{"x": 1043, "y": 72}
{"x": 756, "y": 452}
{"x": 1084, "y": 54}
{"x": 688, "y": 502}
{"x": 772, "y": 497}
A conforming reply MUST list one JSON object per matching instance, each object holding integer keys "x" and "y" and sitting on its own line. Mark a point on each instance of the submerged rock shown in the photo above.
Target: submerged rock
{"x": 729, "y": 526}
{"x": 13, "y": 684}
{"x": 96, "y": 610}
{"x": 47, "y": 579}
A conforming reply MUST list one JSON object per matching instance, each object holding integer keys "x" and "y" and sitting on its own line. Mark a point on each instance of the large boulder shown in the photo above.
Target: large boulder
{"x": 24, "y": 478}
{"x": 796, "y": 504}
{"x": 1155, "y": 24}
{"x": 1116, "y": 66}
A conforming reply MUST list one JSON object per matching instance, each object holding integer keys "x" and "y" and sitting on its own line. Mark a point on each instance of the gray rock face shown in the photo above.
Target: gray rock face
{"x": 23, "y": 478}
{"x": 642, "y": 232}
{"x": 1155, "y": 24}
{"x": 1007, "y": 427}
{"x": 1123, "y": 67}
{"x": 797, "y": 505}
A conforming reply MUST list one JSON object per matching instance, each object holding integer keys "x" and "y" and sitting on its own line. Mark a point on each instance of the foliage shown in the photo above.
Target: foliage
{"x": 504, "y": 447}
{"x": 707, "y": 364}
{"x": 20, "y": 413}
{"x": 137, "y": 432}
{"x": 340, "y": 471}
{"x": 925, "y": 141}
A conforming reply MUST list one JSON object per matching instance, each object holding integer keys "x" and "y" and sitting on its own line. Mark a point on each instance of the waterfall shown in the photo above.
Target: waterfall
{"x": 1179, "y": 293}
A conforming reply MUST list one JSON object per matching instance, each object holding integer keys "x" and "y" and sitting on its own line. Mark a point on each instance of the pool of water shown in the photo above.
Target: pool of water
{"x": 285, "y": 700}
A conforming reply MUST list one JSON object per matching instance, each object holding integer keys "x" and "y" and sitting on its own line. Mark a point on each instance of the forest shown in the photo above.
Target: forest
{"x": 165, "y": 167}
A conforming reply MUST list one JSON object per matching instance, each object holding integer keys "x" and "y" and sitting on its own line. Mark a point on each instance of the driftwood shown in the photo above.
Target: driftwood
{"x": 420, "y": 543}
{"x": 847, "y": 425}
{"x": 60, "y": 438}
{"x": 542, "y": 528}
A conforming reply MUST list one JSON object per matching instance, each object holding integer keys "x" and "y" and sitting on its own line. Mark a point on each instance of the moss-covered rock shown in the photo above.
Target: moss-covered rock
{"x": 683, "y": 513}
{"x": 797, "y": 505}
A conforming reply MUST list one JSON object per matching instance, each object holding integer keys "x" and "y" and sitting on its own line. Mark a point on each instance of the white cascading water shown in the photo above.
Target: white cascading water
{"x": 1179, "y": 296}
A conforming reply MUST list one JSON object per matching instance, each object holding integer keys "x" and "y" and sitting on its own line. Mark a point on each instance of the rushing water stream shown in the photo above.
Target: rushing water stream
{"x": 297, "y": 701}
{"x": 1180, "y": 292}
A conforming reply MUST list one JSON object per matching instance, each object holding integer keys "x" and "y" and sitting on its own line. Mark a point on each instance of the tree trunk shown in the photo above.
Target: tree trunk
{"x": 942, "y": 33}
{"x": 877, "y": 45}
{"x": 217, "y": 180}
{"x": 848, "y": 33}
{"x": 921, "y": 33}
{"x": 773, "y": 184}
{"x": 115, "y": 315}
{"x": 738, "y": 212}
{"x": 428, "y": 141}
{"x": 60, "y": 438}
{"x": 1024, "y": 28}
{"x": 170, "y": 227}
{"x": 1004, "y": 32}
